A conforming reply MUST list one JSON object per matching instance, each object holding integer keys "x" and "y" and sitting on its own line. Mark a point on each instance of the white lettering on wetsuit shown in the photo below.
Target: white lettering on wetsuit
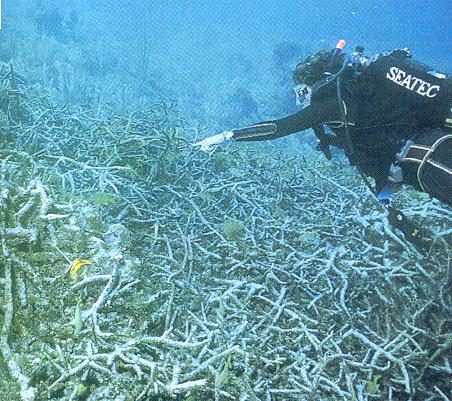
{"x": 412, "y": 83}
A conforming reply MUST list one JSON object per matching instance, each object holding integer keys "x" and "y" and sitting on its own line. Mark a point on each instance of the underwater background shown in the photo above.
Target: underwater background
{"x": 135, "y": 267}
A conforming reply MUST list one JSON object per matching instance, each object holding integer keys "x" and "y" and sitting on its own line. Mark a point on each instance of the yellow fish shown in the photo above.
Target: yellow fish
{"x": 76, "y": 265}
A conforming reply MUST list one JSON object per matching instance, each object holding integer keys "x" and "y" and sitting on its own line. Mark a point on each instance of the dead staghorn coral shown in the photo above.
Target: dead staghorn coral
{"x": 320, "y": 300}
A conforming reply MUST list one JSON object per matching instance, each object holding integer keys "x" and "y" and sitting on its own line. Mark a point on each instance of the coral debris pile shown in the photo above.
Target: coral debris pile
{"x": 133, "y": 267}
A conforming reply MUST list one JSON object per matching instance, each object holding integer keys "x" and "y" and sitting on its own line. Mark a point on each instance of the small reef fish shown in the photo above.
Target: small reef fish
{"x": 76, "y": 265}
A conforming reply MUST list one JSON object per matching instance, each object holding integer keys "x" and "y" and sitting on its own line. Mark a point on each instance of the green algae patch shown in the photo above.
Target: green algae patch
{"x": 103, "y": 199}
{"x": 233, "y": 230}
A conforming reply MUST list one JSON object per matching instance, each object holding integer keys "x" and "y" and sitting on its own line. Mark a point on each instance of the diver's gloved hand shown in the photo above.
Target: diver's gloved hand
{"x": 207, "y": 144}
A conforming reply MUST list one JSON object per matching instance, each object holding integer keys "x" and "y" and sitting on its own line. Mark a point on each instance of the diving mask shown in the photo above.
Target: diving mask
{"x": 303, "y": 94}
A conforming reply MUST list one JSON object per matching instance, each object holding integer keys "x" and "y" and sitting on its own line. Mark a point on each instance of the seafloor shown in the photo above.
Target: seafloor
{"x": 224, "y": 276}
{"x": 135, "y": 267}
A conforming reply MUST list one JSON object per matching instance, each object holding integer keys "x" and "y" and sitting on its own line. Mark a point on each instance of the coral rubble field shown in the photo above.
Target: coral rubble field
{"x": 134, "y": 267}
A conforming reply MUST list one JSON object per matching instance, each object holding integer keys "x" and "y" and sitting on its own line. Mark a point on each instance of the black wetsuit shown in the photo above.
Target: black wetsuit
{"x": 393, "y": 100}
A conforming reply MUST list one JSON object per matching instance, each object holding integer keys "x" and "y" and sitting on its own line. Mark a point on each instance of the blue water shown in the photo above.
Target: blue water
{"x": 201, "y": 53}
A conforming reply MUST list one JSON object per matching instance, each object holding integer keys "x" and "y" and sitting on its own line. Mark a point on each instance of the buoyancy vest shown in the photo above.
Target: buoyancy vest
{"x": 396, "y": 91}
{"x": 392, "y": 98}
{"x": 386, "y": 103}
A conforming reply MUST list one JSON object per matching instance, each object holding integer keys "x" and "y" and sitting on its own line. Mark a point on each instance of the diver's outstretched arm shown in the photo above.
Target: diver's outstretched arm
{"x": 309, "y": 117}
{"x": 208, "y": 143}
{"x": 254, "y": 132}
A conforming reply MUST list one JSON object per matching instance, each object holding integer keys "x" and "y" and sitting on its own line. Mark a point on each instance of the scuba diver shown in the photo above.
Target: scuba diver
{"x": 390, "y": 114}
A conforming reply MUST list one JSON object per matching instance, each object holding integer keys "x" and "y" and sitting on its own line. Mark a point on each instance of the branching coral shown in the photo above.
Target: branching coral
{"x": 248, "y": 282}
